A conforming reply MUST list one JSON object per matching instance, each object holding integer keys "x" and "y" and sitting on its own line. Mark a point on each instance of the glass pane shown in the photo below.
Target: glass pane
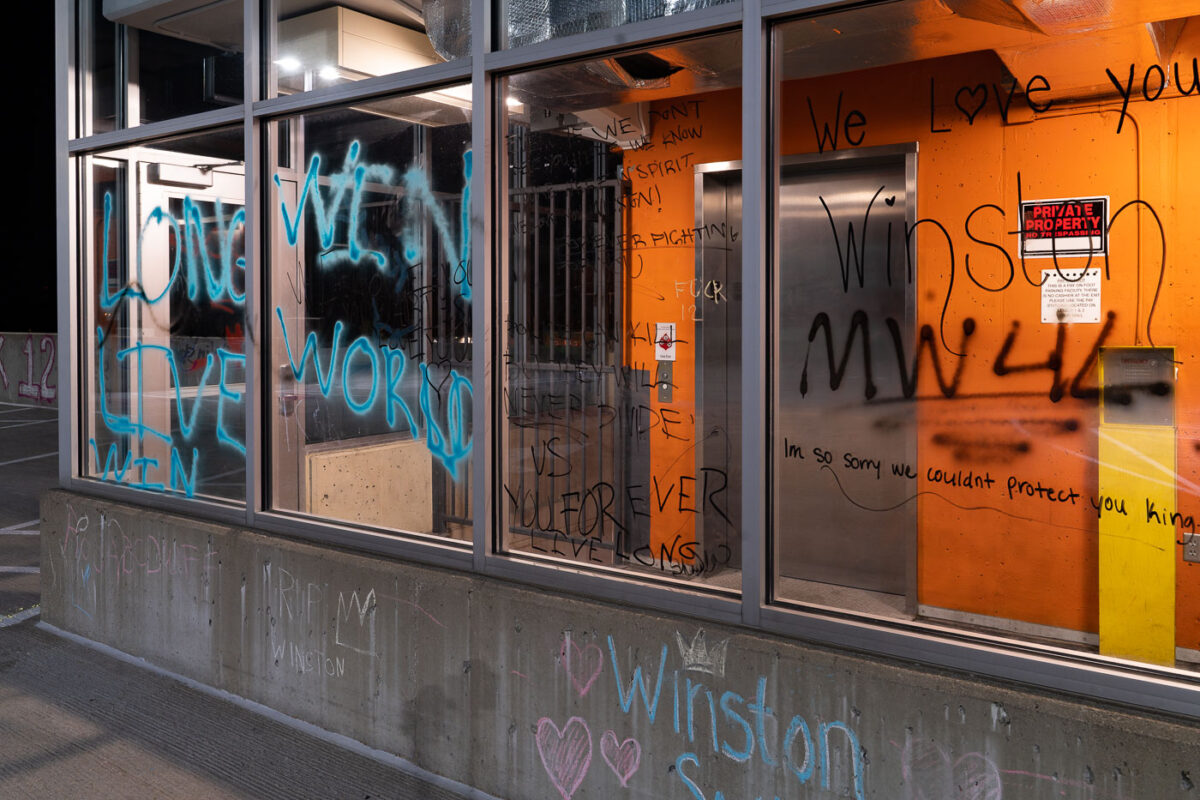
{"x": 163, "y": 343}
{"x": 370, "y": 332}
{"x": 181, "y": 59}
{"x": 97, "y": 47}
{"x": 531, "y": 21}
{"x": 313, "y": 45}
{"x": 622, "y": 320}
{"x": 985, "y": 412}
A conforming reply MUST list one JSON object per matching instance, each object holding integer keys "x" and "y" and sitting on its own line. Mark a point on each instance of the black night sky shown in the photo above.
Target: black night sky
{"x": 31, "y": 228}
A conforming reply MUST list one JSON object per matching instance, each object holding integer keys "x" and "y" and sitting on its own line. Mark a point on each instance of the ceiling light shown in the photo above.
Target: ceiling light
{"x": 459, "y": 96}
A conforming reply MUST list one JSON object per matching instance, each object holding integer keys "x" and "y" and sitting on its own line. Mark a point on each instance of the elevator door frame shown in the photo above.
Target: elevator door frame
{"x": 718, "y": 421}
{"x": 858, "y": 158}
{"x": 862, "y": 159}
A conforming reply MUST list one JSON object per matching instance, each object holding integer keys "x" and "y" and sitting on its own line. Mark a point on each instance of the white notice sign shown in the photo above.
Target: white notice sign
{"x": 1071, "y": 295}
{"x": 664, "y": 341}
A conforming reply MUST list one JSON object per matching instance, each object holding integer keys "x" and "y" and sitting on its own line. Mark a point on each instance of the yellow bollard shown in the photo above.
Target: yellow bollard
{"x": 1137, "y": 465}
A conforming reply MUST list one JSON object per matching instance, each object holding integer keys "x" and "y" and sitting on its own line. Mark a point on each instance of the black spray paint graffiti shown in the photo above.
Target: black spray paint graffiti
{"x": 854, "y": 257}
{"x": 585, "y": 524}
{"x": 971, "y": 100}
{"x": 976, "y": 481}
{"x": 910, "y": 371}
{"x": 1154, "y": 82}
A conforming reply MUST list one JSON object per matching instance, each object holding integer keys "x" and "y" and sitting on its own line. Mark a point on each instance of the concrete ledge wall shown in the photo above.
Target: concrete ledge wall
{"x": 29, "y": 368}
{"x": 531, "y": 694}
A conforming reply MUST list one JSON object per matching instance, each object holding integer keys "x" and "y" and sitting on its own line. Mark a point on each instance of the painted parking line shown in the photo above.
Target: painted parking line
{"x": 20, "y": 616}
{"x": 28, "y": 458}
{"x": 20, "y": 570}
{"x": 20, "y": 525}
{"x": 9, "y": 424}
{"x": 15, "y": 425}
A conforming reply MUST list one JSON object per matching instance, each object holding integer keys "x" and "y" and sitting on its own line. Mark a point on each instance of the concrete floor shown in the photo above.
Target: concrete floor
{"x": 28, "y": 466}
{"x": 77, "y": 722}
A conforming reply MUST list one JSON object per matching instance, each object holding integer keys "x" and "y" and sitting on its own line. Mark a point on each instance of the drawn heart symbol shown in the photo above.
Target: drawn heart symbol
{"x": 972, "y": 777}
{"x": 891, "y": 201}
{"x": 583, "y": 665}
{"x": 623, "y": 759}
{"x": 566, "y": 754}
{"x": 972, "y": 110}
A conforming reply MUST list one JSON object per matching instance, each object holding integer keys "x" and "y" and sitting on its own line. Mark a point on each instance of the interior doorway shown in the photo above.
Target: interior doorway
{"x": 843, "y": 295}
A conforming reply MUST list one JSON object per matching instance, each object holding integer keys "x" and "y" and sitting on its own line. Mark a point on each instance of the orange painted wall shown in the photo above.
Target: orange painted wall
{"x": 662, "y": 290}
{"x": 1021, "y": 558}
{"x": 1182, "y": 316}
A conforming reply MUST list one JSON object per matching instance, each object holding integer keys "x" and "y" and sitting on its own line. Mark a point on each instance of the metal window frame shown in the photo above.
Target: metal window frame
{"x": 1087, "y": 676}
{"x": 755, "y": 368}
{"x": 66, "y": 121}
{"x": 252, "y": 252}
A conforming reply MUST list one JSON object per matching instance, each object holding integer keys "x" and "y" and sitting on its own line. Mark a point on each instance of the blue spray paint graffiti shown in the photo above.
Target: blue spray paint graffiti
{"x": 125, "y": 427}
{"x": 420, "y": 195}
{"x": 365, "y": 362}
{"x": 190, "y": 240}
{"x": 419, "y": 198}
{"x": 219, "y": 282}
{"x": 225, "y": 393}
{"x": 181, "y": 480}
{"x": 208, "y": 275}
{"x": 450, "y": 444}
{"x": 351, "y": 177}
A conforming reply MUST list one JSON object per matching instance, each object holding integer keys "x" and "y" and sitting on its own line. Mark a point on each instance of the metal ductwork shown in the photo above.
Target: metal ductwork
{"x": 531, "y": 21}
{"x": 448, "y": 25}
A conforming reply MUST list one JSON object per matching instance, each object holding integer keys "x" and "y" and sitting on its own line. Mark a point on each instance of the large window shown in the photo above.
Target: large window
{"x": 163, "y": 343}
{"x": 621, "y": 322}
{"x": 531, "y": 21}
{"x": 148, "y": 63}
{"x": 318, "y": 45}
{"x": 985, "y": 412}
{"x": 370, "y": 314}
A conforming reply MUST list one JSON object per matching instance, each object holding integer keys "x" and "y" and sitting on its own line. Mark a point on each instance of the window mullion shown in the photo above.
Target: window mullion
{"x": 754, "y": 334}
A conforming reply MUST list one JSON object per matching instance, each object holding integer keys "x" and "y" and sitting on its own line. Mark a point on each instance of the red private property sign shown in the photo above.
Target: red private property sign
{"x": 1072, "y": 227}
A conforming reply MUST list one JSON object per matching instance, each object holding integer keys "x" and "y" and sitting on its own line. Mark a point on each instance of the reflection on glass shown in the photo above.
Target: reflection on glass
{"x": 98, "y": 49}
{"x": 165, "y": 341}
{"x": 984, "y": 409}
{"x": 179, "y": 63}
{"x": 312, "y": 49}
{"x": 532, "y": 21}
{"x": 370, "y": 315}
{"x": 622, "y": 317}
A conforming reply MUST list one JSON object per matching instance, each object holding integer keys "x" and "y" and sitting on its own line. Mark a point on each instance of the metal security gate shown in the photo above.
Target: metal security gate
{"x": 445, "y": 319}
{"x": 568, "y": 389}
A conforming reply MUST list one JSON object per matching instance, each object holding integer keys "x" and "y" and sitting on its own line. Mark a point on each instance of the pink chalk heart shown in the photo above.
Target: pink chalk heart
{"x": 623, "y": 759}
{"x": 934, "y": 776}
{"x": 977, "y": 778}
{"x": 566, "y": 754}
{"x": 583, "y": 665}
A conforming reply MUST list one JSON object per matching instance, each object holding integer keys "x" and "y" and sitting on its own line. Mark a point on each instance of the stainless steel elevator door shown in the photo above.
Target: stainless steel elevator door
{"x": 717, "y": 313}
{"x": 841, "y": 423}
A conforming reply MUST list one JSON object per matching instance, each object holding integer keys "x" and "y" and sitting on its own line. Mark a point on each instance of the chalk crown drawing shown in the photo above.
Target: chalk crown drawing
{"x": 698, "y": 658}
